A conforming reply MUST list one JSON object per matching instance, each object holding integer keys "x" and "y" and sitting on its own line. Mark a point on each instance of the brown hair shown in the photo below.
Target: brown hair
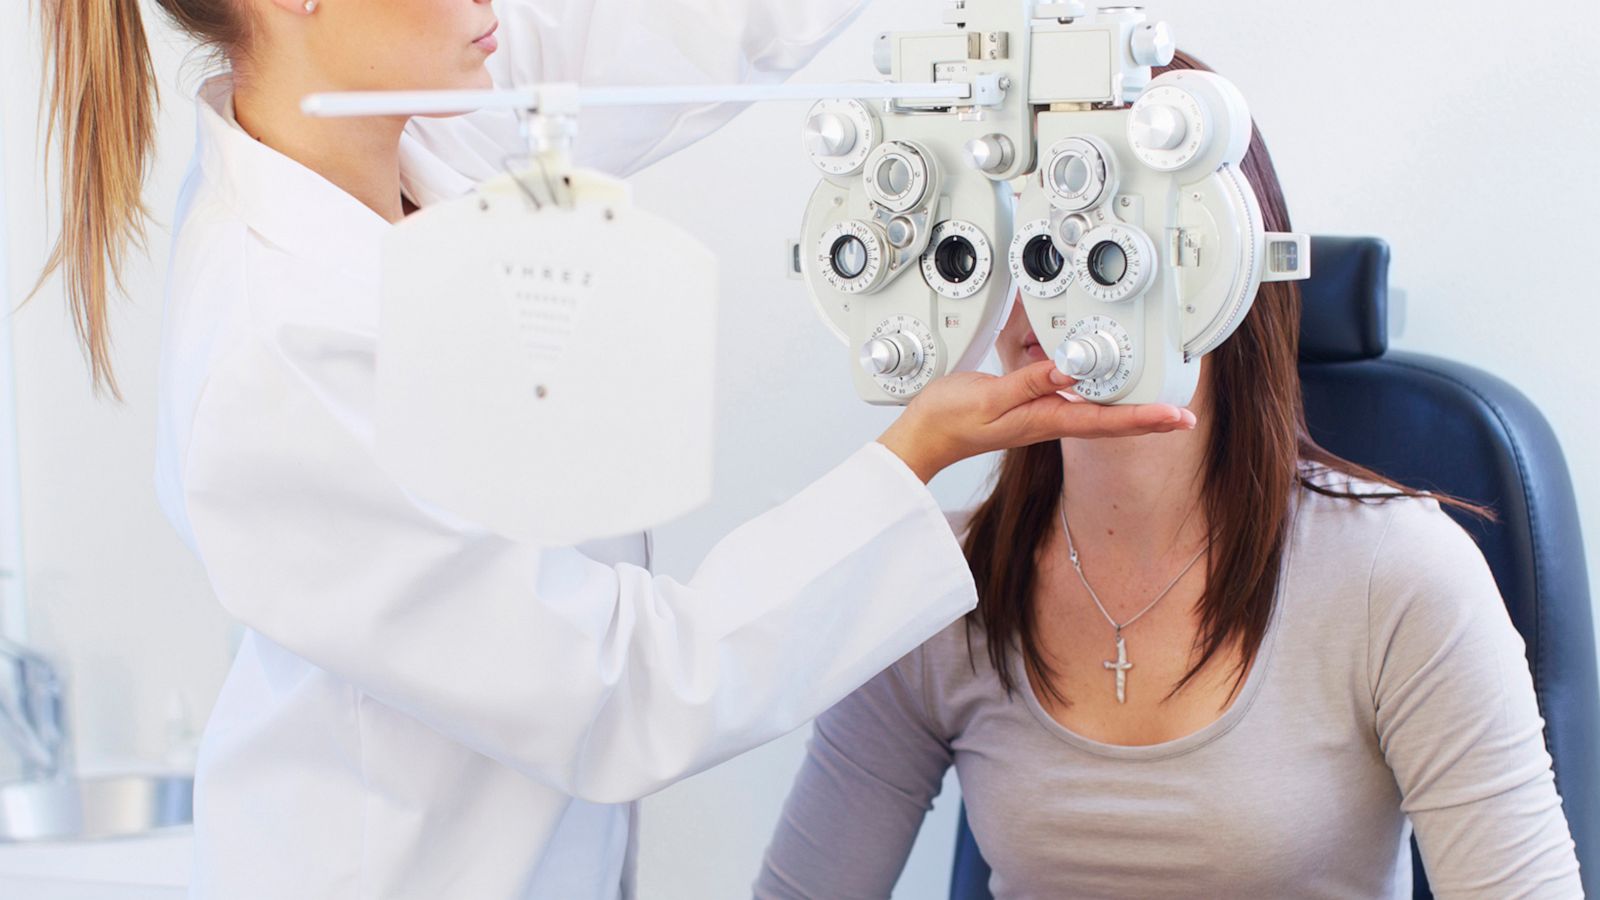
{"x": 101, "y": 104}
{"x": 1258, "y": 444}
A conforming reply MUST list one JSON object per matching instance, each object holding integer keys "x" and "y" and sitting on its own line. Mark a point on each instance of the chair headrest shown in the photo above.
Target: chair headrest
{"x": 1345, "y": 316}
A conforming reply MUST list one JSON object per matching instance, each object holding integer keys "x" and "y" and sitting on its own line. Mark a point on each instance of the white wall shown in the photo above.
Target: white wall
{"x": 1445, "y": 127}
{"x": 13, "y": 609}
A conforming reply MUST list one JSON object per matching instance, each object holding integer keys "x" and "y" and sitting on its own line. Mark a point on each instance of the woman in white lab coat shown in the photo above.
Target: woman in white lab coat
{"x": 421, "y": 708}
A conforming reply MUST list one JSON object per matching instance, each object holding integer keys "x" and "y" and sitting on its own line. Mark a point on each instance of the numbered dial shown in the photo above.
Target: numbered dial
{"x": 901, "y": 356}
{"x": 1080, "y": 174}
{"x": 1168, "y": 128}
{"x": 851, "y": 256}
{"x": 1036, "y": 264}
{"x": 958, "y": 260}
{"x": 1101, "y": 349}
{"x": 900, "y": 176}
{"x": 1189, "y": 120}
{"x": 839, "y": 134}
{"x": 1115, "y": 263}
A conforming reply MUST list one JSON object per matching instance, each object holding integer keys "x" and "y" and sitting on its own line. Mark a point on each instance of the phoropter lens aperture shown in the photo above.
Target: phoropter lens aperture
{"x": 1040, "y": 260}
{"x": 1072, "y": 174}
{"x": 1108, "y": 263}
{"x": 956, "y": 259}
{"x": 894, "y": 176}
{"x": 848, "y": 256}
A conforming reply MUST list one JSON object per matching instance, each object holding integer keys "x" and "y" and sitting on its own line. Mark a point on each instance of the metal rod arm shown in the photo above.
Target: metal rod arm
{"x": 540, "y": 99}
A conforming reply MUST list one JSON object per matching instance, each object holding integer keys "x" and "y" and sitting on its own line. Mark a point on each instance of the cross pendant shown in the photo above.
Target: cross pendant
{"x": 1121, "y": 667}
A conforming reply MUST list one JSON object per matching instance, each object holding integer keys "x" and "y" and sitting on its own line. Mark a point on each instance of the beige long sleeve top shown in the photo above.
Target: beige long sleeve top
{"x": 1390, "y": 693}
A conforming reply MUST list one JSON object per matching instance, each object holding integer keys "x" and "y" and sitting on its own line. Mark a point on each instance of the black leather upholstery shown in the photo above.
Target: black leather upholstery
{"x": 1441, "y": 425}
{"x": 1345, "y": 311}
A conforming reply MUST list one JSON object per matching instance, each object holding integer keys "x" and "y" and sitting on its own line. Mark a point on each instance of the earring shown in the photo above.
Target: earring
{"x": 311, "y": 6}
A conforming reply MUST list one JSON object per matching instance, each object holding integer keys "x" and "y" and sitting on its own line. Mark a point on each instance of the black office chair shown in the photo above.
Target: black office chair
{"x": 1436, "y": 424}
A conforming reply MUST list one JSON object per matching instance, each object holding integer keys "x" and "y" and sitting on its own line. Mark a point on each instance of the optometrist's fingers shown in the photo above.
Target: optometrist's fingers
{"x": 1053, "y": 417}
{"x": 1041, "y": 379}
{"x": 968, "y": 413}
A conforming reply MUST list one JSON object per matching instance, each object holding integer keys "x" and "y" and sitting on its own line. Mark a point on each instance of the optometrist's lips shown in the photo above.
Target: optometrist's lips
{"x": 487, "y": 42}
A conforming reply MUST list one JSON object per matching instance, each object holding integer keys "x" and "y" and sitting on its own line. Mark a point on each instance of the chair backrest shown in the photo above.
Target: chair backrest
{"x": 1440, "y": 425}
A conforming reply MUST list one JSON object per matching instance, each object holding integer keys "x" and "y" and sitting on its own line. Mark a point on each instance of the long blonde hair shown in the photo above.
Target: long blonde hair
{"x": 101, "y": 101}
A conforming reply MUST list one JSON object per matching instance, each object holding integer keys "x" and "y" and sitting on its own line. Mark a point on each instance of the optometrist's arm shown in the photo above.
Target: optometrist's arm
{"x": 1457, "y": 719}
{"x": 873, "y": 766}
{"x": 636, "y": 42}
{"x": 603, "y": 681}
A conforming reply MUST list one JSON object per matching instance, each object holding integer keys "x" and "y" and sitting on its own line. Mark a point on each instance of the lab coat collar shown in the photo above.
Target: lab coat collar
{"x": 297, "y": 210}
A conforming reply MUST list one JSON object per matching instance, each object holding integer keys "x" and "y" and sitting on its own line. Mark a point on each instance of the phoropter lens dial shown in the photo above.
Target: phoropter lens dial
{"x": 1098, "y": 352}
{"x": 958, "y": 261}
{"x": 851, "y": 255}
{"x": 901, "y": 355}
{"x": 1115, "y": 263}
{"x": 1037, "y": 264}
{"x": 1092, "y": 356}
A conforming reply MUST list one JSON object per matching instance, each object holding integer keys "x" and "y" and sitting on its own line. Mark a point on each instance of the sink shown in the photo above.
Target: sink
{"x": 94, "y": 808}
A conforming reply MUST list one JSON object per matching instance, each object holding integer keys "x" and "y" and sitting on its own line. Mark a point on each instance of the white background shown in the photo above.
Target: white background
{"x": 1464, "y": 132}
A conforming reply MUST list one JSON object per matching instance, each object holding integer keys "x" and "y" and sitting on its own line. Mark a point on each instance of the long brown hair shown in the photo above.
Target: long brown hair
{"x": 100, "y": 102}
{"x": 1258, "y": 444}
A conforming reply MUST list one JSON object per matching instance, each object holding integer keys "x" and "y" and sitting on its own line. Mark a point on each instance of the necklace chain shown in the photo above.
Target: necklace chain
{"x": 1077, "y": 566}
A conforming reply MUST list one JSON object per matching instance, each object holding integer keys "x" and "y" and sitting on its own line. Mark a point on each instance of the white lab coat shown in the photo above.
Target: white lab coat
{"x": 421, "y": 708}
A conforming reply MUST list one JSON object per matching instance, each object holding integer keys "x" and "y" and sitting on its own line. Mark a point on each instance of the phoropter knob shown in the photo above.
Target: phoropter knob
{"x": 991, "y": 153}
{"x": 892, "y": 355}
{"x": 1158, "y": 127}
{"x": 1086, "y": 358}
{"x": 829, "y": 134}
{"x": 1153, "y": 44}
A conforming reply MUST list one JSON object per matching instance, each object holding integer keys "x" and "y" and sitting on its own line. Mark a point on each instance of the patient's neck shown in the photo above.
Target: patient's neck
{"x": 1138, "y": 498}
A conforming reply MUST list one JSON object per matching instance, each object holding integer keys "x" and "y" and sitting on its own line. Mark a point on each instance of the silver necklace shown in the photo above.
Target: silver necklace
{"x": 1121, "y": 665}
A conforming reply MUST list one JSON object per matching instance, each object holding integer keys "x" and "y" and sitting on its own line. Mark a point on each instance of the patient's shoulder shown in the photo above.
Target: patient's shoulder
{"x": 1348, "y": 513}
{"x": 1396, "y": 553}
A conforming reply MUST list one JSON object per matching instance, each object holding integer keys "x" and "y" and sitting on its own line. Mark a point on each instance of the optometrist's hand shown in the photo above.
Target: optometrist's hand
{"x": 967, "y": 413}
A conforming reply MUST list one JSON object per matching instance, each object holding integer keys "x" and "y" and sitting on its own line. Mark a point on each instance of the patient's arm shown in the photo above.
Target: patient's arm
{"x": 872, "y": 769}
{"x": 1457, "y": 719}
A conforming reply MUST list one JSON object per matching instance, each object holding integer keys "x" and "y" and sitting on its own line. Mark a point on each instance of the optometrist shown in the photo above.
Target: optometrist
{"x": 422, "y": 709}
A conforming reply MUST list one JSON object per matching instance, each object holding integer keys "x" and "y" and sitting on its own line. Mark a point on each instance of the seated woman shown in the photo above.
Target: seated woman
{"x": 1219, "y": 663}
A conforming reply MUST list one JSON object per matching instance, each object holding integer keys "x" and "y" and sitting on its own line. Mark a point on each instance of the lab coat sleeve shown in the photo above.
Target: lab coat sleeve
{"x": 650, "y": 42}
{"x": 604, "y": 682}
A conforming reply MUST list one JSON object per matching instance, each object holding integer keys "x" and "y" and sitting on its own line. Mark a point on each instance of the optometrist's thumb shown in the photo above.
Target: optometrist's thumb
{"x": 1040, "y": 379}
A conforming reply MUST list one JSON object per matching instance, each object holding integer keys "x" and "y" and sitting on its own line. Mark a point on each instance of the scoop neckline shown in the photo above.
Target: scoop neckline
{"x": 1194, "y": 740}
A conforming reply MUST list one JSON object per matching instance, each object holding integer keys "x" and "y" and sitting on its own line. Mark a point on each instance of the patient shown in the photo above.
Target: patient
{"x": 1312, "y": 660}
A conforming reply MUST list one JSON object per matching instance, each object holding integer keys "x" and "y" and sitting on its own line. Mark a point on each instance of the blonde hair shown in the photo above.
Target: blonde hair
{"x": 101, "y": 101}
{"x": 101, "y": 107}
